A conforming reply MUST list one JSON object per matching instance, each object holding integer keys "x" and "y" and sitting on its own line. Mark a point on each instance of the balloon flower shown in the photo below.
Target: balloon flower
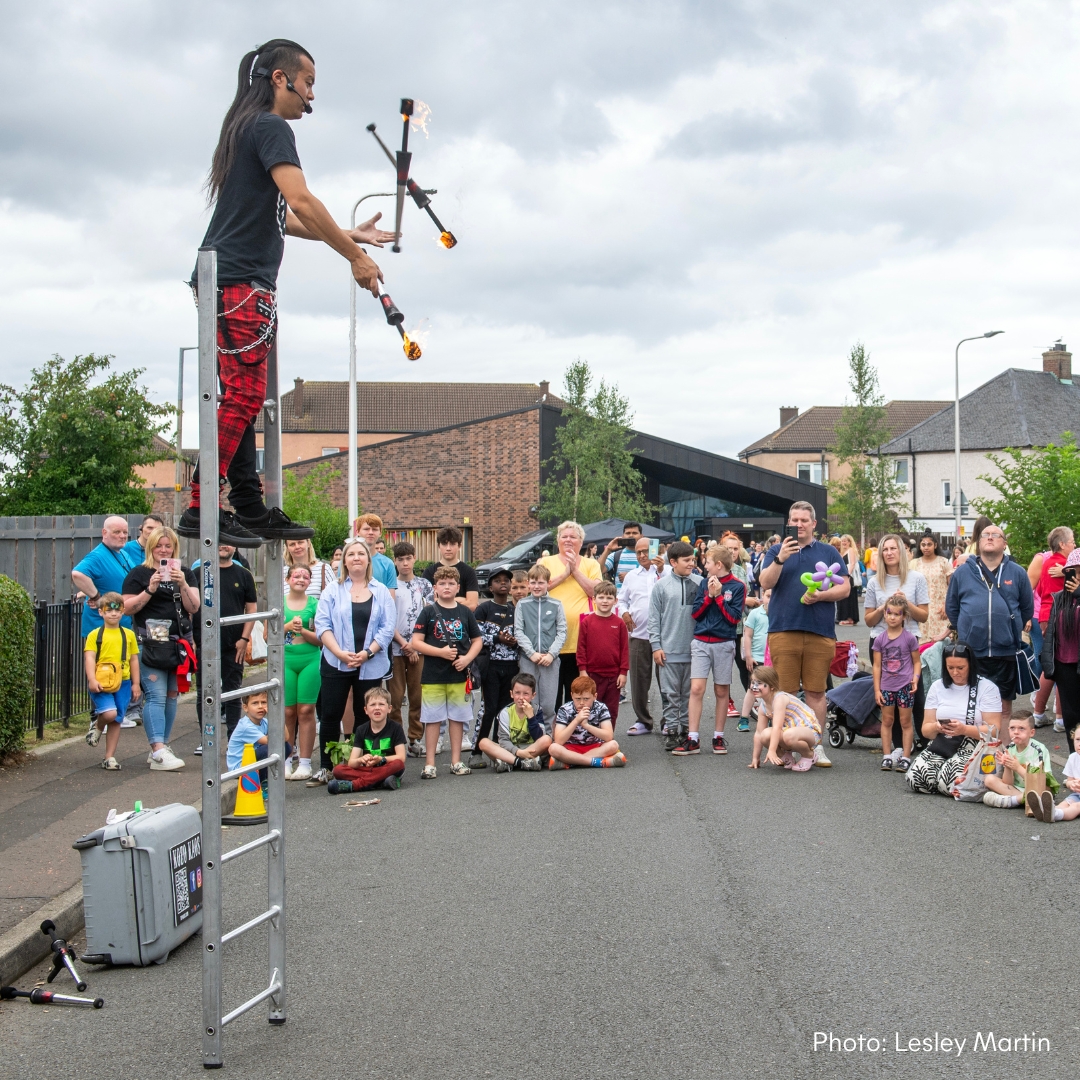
{"x": 823, "y": 577}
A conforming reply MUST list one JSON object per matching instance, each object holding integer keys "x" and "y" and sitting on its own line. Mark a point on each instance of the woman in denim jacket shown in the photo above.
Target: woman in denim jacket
{"x": 357, "y": 610}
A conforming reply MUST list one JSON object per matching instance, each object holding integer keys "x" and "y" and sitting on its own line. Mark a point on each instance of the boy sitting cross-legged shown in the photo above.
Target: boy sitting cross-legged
{"x": 378, "y": 753}
{"x": 522, "y": 739}
{"x": 583, "y": 731}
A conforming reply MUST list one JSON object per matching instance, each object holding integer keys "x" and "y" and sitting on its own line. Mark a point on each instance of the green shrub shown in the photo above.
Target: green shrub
{"x": 16, "y": 664}
{"x": 309, "y": 500}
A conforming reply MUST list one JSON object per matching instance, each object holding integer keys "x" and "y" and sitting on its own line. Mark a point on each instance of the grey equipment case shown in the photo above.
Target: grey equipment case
{"x": 142, "y": 885}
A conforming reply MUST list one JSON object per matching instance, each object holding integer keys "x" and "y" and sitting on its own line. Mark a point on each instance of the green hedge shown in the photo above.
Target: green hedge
{"x": 16, "y": 664}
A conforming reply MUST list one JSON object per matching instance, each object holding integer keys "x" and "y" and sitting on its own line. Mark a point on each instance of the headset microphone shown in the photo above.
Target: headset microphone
{"x": 289, "y": 86}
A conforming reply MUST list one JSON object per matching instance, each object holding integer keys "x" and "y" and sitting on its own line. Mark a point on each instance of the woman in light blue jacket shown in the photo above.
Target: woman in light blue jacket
{"x": 356, "y": 611}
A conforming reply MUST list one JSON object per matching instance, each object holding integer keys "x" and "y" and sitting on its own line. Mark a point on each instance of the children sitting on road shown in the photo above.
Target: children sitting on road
{"x": 603, "y": 648}
{"x": 1023, "y": 757}
{"x": 583, "y": 731}
{"x": 897, "y": 670}
{"x": 522, "y": 740}
{"x": 378, "y": 753}
{"x": 1042, "y": 805}
{"x": 111, "y": 658}
{"x": 792, "y": 728}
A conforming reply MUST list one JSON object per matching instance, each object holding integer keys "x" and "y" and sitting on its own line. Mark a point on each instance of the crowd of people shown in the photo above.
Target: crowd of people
{"x": 558, "y": 649}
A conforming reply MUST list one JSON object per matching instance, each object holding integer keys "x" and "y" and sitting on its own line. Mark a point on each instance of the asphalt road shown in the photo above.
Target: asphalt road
{"x": 680, "y": 917}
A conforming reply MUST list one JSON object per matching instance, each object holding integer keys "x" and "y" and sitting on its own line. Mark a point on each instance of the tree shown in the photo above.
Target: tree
{"x": 866, "y": 501}
{"x": 307, "y": 499}
{"x": 69, "y": 447}
{"x": 1039, "y": 489}
{"x": 593, "y": 475}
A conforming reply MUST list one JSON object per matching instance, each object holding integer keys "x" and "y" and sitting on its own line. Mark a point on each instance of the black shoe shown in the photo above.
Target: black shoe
{"x": 230, "y": 531}
{"x": 339, "y": 787}
{"x": 275, "y": 524}
{"x": 391, "y": 783}
{"x": 477, "y": 760}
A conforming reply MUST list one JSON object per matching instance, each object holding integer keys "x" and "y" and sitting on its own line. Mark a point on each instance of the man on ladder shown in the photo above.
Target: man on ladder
{"x": 261, "y": 195}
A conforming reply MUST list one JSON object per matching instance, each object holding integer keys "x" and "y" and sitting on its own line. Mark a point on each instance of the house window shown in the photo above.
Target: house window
{"x": 946, "y": 496}
{"x": 901, "y": 476}
{"x": 260, "y": 460}
{"x": 811, "y": 471}
{"x": 327, "y": 450}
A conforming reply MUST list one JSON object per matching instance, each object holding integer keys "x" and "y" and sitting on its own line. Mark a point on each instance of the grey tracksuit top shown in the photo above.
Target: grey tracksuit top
{"x": 671, "y": 618}
{"x": 540, "y": 625}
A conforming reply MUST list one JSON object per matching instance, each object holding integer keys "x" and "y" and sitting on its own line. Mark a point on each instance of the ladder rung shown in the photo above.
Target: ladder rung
{"x": 272, "y": 759}
{"x": 272, "y": 837}
{"x": 270, "y": 991}
{"x": 266, "y": 916}
{"x": 244, "y": 691}
{"x": 235, "y": 620}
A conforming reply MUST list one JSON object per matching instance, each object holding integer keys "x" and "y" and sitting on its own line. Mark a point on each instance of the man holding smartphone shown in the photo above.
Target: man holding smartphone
{"x": 618, "y": 558}
{"x": 802, "y": 634}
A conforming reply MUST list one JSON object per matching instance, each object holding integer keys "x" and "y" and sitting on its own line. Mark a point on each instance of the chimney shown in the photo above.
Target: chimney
{"x": 1057, "y": 360}
{"x": 788, "y": 413}
{"x": 298, "y": 399}
{"x": 544, "y": 389}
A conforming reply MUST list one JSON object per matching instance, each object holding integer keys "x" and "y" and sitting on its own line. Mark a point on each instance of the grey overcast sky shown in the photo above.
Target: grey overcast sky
{"x": 710, "y": 202}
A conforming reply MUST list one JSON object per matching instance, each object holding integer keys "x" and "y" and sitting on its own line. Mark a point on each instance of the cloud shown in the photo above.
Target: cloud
{"x": 710, "y": 202}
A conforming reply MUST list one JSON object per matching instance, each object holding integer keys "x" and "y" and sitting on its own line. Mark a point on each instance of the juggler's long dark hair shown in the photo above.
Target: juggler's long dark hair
{"x": 254, "y": 95}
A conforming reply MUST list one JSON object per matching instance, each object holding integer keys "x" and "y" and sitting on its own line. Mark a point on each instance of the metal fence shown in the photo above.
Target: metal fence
{"x": 60, "y": 690}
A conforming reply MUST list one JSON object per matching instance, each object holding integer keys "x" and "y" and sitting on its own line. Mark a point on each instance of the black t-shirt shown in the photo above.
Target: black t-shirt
{"x": 441, "y": 626}
{"x": 235, "y": 589}
{"x": 466, "y": 573}
{"x": 160, "y": 605}
{"x": 248, "y": 225}
{"x": 390, "y": 736}
{"x": 493, "y": 618}
{"x": 361, "y": 616}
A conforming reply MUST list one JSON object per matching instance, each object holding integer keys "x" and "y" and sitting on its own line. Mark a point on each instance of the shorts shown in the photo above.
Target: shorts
{"x": 583, "y": 747}
{"x": 801, "y": 660}
{"x": 1071, "y": 797}
{"x": 1001, "y": 671}
{"x": 445, "y": 701}
{"x": 117, "y": 700}
{"x": 904, "y": 698}
{"x": 712, "y": 658}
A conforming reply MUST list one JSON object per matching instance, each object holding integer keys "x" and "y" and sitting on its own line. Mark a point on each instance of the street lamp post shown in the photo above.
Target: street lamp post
{"x": 178, "y": 483}
{"x": 354, "y": 479}
{"x": 957, "y": 495}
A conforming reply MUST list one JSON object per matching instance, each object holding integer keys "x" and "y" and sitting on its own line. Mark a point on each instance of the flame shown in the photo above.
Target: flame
{"x": 420, "y": 117}
{"x": 448, "y": 240}
{"x": 412, "y": 350}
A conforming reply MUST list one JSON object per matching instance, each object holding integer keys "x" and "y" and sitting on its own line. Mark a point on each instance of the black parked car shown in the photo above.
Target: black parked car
{"x": 519, "y": 555}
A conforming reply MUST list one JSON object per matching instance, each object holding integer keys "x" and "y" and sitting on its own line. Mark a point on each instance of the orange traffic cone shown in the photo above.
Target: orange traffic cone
{"x": 250, "y": 808}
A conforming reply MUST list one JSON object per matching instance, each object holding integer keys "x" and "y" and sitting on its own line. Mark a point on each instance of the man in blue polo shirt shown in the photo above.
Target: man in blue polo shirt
{"x": 103, "y": 570}
{"x": 136, "y": 549}
{"x": 802, "y": 636}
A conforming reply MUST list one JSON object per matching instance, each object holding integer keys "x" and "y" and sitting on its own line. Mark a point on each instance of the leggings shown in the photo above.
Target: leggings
{"x": 335, "y": 694}
{"x": 1067, "y": 680}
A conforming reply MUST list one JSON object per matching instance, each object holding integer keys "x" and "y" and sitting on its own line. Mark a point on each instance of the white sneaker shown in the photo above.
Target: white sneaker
{"x": 301, "y": 772}
{"x": 820, "y": 760}
{"x": 417, "y": 749}
{"x": 164, "y": 760}
{"x": 1059, "y": 726}
{"x": 442, "y": 745}
{"x": 466, "y": 742}
{"x": 128, "y": 723}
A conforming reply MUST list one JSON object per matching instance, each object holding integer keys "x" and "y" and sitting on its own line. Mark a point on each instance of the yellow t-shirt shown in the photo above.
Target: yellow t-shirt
{"x": 571, "y": 595}
{"x": 111, "y": 647}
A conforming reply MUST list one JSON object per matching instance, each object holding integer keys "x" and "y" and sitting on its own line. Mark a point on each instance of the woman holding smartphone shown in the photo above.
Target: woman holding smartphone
{"x": 161, "y": 595}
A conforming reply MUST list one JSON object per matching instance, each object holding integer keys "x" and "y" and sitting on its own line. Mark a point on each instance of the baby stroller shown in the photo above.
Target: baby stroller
{"x": 853, "y": 710}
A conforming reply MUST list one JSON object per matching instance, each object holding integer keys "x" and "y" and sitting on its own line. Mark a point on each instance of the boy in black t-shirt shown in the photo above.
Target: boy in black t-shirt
{"x": 449, "y": 541}
{"x": 378, "y": 753}
{"x": 448, "y": 636}
{"x": 497, "y": 661}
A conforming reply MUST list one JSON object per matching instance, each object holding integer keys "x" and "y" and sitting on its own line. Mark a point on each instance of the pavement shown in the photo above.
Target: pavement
{"x": 682, "y": 917}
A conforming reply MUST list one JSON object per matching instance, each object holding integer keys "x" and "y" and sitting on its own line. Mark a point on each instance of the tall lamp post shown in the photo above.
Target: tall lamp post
{"x": 178, "y": 483}
{"x": 957, "y": 496}
{"x": 354, "y": 479}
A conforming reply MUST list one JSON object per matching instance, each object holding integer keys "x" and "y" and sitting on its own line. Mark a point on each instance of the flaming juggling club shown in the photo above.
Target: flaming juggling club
{"x": 419, "y": 196}
{"x": 396, "y": 319}
{"x": 404, "y": 160}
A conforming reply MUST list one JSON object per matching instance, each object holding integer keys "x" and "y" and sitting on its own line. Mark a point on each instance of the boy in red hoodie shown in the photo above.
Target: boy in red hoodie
{"x": 603, "y": 649}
